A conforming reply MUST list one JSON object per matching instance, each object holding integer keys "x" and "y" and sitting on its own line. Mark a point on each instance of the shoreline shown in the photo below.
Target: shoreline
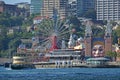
{"x": 78, "y": 65}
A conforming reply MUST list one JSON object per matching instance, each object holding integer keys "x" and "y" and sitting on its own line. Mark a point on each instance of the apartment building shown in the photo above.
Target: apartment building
{"x": 84, "y": 6}
{"x": 59, "y": 5}
{"x": 108, "y": 9}
{"x": 36, "y": 6}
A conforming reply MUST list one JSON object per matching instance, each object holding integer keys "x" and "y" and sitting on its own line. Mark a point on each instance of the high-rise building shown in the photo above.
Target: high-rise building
{"x": 72, "y": 8}
{"x": 36, "y": 6}
{"x": 70, "y": 1}
{"x": 85, "y": 5}
{"x": 59, "y": 5}
{"x": 108, "y": 9}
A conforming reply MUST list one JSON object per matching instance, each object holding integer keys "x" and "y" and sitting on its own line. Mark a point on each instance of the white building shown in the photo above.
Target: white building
{"x": 108, "y": 9}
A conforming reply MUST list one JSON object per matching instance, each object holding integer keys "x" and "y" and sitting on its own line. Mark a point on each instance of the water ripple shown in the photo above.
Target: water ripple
{"x": 61, "y": 74}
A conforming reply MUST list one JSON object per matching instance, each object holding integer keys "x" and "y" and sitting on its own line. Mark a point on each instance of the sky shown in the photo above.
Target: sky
{"x": 15, "y": 1}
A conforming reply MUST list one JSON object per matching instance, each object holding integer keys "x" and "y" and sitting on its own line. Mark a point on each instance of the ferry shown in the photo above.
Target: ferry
{"x": 60, "y": 58}
{"x": 21, "y": 61}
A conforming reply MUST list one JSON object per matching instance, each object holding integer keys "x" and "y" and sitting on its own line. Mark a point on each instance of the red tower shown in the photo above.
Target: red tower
{"x": 54, "y": 36}
{"x": 53, "y": 43}
{"x": 108, "y": 38}
{"x": 88, "y": 46}
{"x": 108, "y": 44}
{"x": 88, "y": 40}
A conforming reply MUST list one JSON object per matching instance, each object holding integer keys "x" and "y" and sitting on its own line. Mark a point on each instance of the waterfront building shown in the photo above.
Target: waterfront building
{"x": 36, "y": 6}
{"x": 59, "y": 5}
{"x": 108, "y": 9}
{"x": 84, "y": 6}
{"x": 97, "y": 62}
{"x": 97, "y": 46}
{"x": 37, "y": 19}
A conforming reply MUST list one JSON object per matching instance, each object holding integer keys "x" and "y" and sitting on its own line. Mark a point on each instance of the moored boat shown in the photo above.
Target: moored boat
{"x": 21, "y": 61}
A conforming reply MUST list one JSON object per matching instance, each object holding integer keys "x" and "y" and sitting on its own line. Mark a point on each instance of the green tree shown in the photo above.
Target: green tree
{"x": 115, "y": 37}
{"x": 16, "y": 21}
{"x": 118, "y": 31}
{"x": 98, "y": 32}
{"x": 90, "y": 14}
{"x": 3, "y": 38}
{"x": 29, "y": 20}
{"x": 111, "y": 54}
{"x": 13, "y": 44}
{"x": 76, "y": 24}
{"x": 9, "y": 21}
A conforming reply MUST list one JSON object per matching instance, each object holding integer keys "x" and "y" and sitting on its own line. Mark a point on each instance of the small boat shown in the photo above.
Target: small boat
{"x": 7, "y": 65}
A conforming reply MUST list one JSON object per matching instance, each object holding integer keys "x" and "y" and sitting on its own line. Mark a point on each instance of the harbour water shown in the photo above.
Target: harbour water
{"x": 61, "y": 74}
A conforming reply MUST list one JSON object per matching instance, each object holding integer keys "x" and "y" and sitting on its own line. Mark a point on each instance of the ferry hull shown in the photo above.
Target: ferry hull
{"x": 18, "y": 67}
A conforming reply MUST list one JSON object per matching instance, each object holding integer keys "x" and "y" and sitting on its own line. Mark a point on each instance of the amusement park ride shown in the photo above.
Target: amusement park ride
{"x": 52, "y": 52}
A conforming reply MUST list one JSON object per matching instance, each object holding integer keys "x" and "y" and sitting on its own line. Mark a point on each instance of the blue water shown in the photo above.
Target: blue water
{"x": 61, "y": 74}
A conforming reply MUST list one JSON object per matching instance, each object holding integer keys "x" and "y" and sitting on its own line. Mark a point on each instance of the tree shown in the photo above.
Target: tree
{"x": 76, "y": 24}
{"x": 118, "y": 31}
{"x": 13, "y": 44}
{"x": 29, "y": 21}
{"x": 98, "y": 32}
{"x": 3, "y": 39}
{"x": 90, "y": 14}
{"x": 9, "y": 21}
{"x": 115, "y": 37}
{"x": 111, "y": 54}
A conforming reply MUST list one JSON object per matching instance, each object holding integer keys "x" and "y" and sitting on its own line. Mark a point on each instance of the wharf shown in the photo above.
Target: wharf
{"x": 114, "y": 64}
{"x": 76, "y": 65}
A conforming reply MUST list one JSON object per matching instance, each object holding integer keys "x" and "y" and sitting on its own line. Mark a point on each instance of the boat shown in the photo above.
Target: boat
{"x": 21, "y": 61}
{"x": 7, "y": 65}
{"x": 61, "y": 58}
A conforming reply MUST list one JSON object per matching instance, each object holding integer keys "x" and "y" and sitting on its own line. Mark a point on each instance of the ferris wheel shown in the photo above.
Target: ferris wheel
{"x": 52, "y": 33}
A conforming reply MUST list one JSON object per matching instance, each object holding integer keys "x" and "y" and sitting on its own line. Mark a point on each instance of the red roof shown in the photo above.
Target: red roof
{"x": 40, "y": 17}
